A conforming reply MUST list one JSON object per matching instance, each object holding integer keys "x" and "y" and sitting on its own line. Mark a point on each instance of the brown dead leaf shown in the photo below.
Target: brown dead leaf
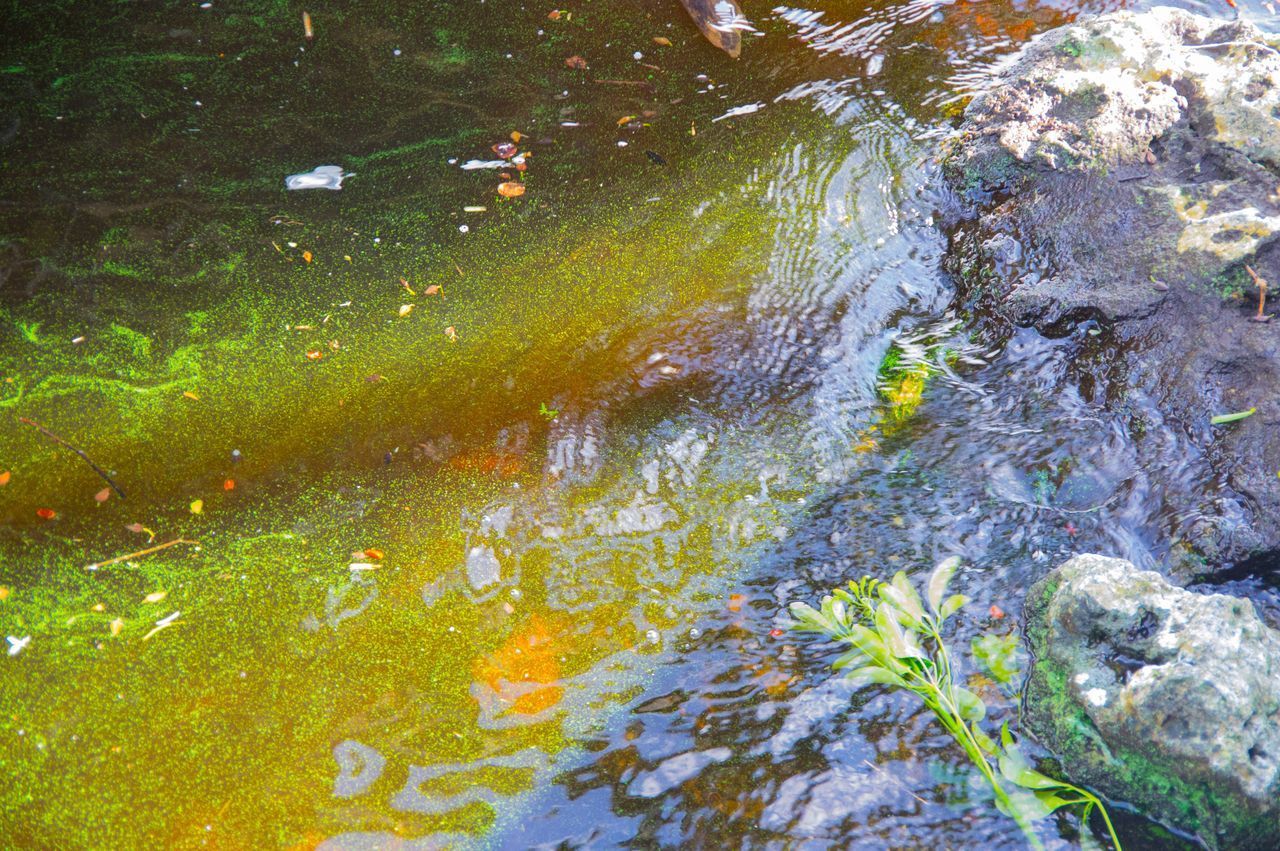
{"x": 408, "y": 288}
{"x": 511, "y": 189}
{"x": 451, "y": 333}
{"x": 662, "y": 40}
{"x": 576, "y": 62}
{"x": 103, "y": 495}
{"x": 626, "y": 119}
{"x": 434, "y": 289}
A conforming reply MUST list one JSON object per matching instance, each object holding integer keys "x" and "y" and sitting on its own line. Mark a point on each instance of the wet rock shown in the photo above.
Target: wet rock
{"x": 1124, "y": 170}
{"x": 1159, "y": 697}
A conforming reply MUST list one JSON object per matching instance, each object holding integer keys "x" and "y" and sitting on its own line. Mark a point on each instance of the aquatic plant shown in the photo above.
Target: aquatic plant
{"x": 895, "y": 642}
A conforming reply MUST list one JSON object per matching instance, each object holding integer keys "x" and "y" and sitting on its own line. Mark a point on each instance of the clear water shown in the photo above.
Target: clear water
{"x": 496, "y": 555}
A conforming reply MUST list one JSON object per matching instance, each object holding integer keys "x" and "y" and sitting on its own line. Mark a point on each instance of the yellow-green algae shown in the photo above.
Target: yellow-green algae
{"x": 221, "y": 727}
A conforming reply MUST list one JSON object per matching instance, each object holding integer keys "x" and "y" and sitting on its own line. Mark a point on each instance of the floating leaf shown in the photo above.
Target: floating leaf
{"x": 662, "y": 40}
{"x": 98, "y": 607}
{"x": 626, "y": 119}
{"x": 511, "y": 189}
{"x": 46, "y": 513}
{"x": 576, "y": 62}
{"x": 405, "y": 309}
{"x": 190, "y": 395}
{"x": 155, "y": 596}
{"x": 404, "y": 283}
{"x": 4, "y": 592}
{"x": 306, "y": 255}
{"x": 1223, "y": 419}
{"x": 103, "y": 495}
{"x": 197, "y": 506}
{"x": 4, "y": 478}
{"x": 375, "y": 554}
{"x": 451, "y": 333}
{"x": 314, "y": 355}
{"x": 229, "y": 485}
{"x": 116, "y": 626}
{"x": 434, "y": 289}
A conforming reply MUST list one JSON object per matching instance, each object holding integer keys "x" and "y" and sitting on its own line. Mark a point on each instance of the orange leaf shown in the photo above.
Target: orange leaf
{"x": 4, "y": 478}
{"x": 229, "y": 485}
{"x": 434, "y": 289}
{"x": 4, "y": 593}
{"x": 306, "y": 255}
{"x": 516, "y": 136}
{"x": 736, "y": 601}
{"x": 576, "y": 62}
{"x": 510, "y": 189}
{"x": 190, "y": 395}
{"x": 376, "y": 555}
{"x": 996, "y": 612}
{"x": 662, "y": 40}
{"x": 103, "y": 495}
{"x": 626, "y": 119}
{"x": 314, "y": 355}
{"x": 46, "y": 513}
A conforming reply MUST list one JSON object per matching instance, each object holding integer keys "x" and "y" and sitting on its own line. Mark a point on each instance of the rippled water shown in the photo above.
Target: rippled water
{"x": 505, "y": 564}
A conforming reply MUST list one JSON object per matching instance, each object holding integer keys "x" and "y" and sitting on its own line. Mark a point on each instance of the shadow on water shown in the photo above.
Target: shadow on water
{"x": 498, "y": 554}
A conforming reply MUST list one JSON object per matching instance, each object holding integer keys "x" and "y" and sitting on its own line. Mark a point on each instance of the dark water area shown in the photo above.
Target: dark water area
{"x": 488, "y": 505}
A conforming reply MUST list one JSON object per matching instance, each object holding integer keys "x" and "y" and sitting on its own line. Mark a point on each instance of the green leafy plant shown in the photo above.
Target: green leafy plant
{"x": 895, "y": 642}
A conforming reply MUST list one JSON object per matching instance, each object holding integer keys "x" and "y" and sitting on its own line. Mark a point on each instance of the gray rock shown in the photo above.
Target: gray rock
{"x": 1125, "y": 169}
{"x": 1160, "y": 697}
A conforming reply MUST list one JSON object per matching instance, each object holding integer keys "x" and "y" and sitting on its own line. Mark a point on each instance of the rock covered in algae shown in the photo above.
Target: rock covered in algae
{"x": 1160, "y": 697}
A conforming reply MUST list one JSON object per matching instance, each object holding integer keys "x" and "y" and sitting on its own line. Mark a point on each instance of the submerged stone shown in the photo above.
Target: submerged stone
{"x": 1159, "y": 697}
{"x": 1122, "y": 170}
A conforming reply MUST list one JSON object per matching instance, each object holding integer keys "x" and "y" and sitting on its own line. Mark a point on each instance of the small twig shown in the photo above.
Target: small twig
{"x": 1261, "y": 283}
{"x": 58, "y": 440}
{"x": 148, "y": 551}
{"x": 894, "y": 780}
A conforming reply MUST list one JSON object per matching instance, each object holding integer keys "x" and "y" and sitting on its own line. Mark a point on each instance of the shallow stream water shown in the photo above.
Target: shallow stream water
{"x": 487, "y": 519}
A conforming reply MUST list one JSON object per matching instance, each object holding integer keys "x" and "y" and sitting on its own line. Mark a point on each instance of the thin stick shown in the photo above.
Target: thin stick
{"x": 1261, "y": 283}
{"x": 878, "y": 770}
{"x": 101, "y": 472}
{"x": 148, "y": 551}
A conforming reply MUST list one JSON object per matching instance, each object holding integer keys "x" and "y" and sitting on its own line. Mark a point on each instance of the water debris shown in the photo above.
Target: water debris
{"x": 102, "y": 495}
{"x": 17, "y": 645}
{"x": 229, "y": 485}
{"x": 1223, "y": 419}
{"x": 307, "y": 32}
{"x": 511, "y": 189}
{"x": 320, "y": 177}
{"x": 576, "y": 62}
{"x": 474, "y": 209}
{"x": 655, "y": 157}
{"x": 549, "y": 413}
{"x": 361, "y": 565}
{"x": 473, "y": 165}
{"x": 46, "y": 513}
{"x": 58, "y": 440}
{"x": 197, "y": 506}
{"x": 745, "y": 109}
{"x": 116, "y": 625}
{"x": 721, "y": 21}
{"x": 662, "y": 41}
{"x": 136, "y": 527}
{"x": 451, "y": 333}
{"x": 405, "y": 309}
{"x": 163, "y": 623}
{"x": 4, "y": 478}
{"x": 155, "y": 596}
{"x": 190, "y": 395}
